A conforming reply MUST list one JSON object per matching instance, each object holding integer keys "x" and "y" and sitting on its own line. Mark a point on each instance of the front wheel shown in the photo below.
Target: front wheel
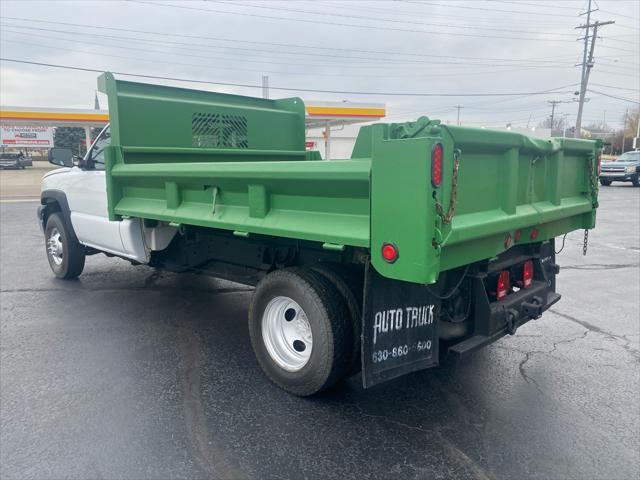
{"x": 605, "y": 182}
{"x": 64, "y": 252}
{"x": 636, "y": 181}
{"x": 300, "y": 330}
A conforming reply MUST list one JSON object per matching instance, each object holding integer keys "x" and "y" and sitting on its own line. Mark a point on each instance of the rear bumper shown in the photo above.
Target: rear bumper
{"x": 506, "y": 316}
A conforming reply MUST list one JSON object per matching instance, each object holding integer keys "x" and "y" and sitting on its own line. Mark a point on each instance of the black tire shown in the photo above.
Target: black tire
{"x": 350, "y": 283}
{"x": 71, "y": 263}
{"x": 605, "y": 182}
{"x": 328, "y": 319}
{"x": 636, "y": 181}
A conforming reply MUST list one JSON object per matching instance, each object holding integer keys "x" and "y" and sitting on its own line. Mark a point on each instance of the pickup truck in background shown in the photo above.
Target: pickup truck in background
{"x": 430, "y": 240}
{"x": 626, "y": 168}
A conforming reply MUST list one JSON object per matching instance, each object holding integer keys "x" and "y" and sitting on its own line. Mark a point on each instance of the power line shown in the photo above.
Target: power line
{"x": 414, "y": 14}
{"x": 467, "y": 7}
{"x": 352, "y": 25}
{"x": 218, "y": 67}
{"x": 378, "y": 19}
{"x": 532, "y": 4}
{"x": 295, "y": 89}
{"x": 619, "y": 14}
{"x": 616, "y": 88}
{"x": 191, "y": 46}
{"x": 289, "y": 45}
{"x": 616, "y": 97}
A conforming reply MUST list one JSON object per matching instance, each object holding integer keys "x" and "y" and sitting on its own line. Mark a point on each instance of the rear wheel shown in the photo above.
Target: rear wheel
{"x": 300, "y": 330}
{"x": 349, "y": 282}
{"x": 64, "y": 252}
{"x": 605, "y": 182}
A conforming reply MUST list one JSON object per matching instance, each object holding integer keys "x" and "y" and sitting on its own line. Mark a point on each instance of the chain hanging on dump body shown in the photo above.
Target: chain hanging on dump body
{"x": 446, "y": 218}
{"x": 593, "y": 184}
{"x": 585, "y": 242}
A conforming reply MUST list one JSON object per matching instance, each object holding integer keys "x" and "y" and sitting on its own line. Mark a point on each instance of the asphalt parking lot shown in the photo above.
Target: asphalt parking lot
{"x": 20, "y": 185}
{"x": 133, "y": 373}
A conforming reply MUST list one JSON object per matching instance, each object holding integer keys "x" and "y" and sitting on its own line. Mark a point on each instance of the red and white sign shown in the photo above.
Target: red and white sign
{"x": 27, "y": 137}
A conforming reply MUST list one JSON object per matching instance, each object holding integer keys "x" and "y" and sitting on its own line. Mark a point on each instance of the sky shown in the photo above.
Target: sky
{"x": 422, "y": 57}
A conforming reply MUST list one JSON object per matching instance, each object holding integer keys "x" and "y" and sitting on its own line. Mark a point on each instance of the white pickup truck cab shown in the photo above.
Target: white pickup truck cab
{"x": 73, "y": 215}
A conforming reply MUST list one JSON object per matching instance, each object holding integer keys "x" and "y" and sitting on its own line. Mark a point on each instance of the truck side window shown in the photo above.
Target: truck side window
{"x": 97, "y": 151}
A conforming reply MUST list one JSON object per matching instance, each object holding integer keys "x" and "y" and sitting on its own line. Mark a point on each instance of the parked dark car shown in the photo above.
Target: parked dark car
{"x": 626, "y": 168}
{"x": 15, "y": 160}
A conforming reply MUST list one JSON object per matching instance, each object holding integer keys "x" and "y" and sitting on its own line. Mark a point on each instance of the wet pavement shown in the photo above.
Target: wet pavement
{"x": 133, "y": 373}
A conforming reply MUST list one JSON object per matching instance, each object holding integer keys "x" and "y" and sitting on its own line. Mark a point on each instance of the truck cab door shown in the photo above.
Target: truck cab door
{"x": 87, "y": 197}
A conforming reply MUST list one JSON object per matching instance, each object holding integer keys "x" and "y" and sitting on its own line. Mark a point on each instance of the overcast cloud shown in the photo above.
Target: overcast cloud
{"x": 427, "y": 46}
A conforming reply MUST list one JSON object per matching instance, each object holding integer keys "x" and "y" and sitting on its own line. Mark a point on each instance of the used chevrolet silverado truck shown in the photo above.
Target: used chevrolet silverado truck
{"x": 430, "y": 240}
{"x": 626, "y": 168}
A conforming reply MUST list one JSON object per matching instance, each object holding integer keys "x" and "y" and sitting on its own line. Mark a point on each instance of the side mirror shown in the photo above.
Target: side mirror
{"x": 61, "y": 156}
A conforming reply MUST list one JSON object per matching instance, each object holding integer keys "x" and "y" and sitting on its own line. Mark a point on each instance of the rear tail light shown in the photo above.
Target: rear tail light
{"x": 534, "y": 233}
{"x": 503, "y": 285}
{"x": 527, "y": 274}
{"x": 436, "y": 165}
{"x": 599, "y": 163}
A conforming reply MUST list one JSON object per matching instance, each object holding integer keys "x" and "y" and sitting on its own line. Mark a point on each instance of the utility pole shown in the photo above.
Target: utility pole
{"x": 587, "y": 64}
{"x": 265, "y": 86}
{"x": 624, "y": 129}
{"x": 635, "y": 140}
{"x": 553, "y": 104}
{"x": 586, "y": 43}
{"x": 458, "y": 107}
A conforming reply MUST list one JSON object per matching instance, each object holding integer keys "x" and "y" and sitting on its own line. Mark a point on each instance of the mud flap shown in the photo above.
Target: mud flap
{"x": 399, "y": 328}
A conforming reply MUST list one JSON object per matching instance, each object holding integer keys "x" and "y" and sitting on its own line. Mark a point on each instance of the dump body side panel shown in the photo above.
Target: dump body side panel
{"x": 226, "y": 161}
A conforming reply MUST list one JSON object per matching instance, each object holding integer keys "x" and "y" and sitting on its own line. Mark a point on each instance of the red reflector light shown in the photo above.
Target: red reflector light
{"x": 436, "y": 165}
{"x": 534, "y": 233}
{"x": 518, "y": 235}
{"x": 503, "y": 285}
{"x": 599, "y": 163}
{"x": 527, "y": 274}
{"x": 389, "y": 252}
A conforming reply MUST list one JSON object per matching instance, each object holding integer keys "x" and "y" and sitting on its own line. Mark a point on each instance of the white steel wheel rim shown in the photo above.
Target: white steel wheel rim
{"x": 55, "y": 247}
{"x": 286, "y": 333}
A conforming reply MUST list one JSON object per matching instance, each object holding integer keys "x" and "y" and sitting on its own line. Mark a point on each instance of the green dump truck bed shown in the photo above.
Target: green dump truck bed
{"x": 238, "y": 163}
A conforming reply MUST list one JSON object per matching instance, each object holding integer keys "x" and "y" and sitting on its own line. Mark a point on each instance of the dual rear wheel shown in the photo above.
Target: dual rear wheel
{"x": 303, "y": 330}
